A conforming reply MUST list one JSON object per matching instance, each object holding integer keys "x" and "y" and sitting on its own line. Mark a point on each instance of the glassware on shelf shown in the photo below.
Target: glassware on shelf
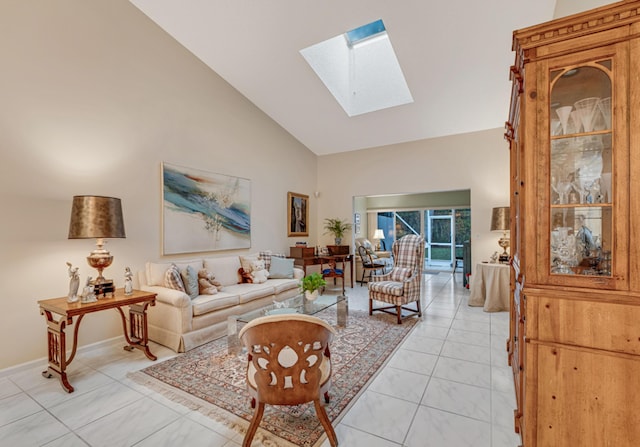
{"x": 556, "y": 127}
{"x": 575, "y": 124}
{"x": 604, "y": 106}
{"x": 587, "y": 109}
{"x": 563, "y": 188}
{"x": 605, "y": 187}
{"x": 564, "y": 113}
{"x": 563, "y": 251}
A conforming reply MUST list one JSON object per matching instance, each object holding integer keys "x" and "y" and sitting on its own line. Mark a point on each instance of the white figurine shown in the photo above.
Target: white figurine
{"x": 74, "y": 283}
{"x": 128, "y": 281}
{"x": 88, "y": 294}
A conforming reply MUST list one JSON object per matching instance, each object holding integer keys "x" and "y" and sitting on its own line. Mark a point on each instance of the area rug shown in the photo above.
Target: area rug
{"x": 209, "y": 380}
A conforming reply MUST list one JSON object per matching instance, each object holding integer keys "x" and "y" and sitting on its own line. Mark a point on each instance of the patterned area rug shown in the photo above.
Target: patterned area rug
{"x": 209, "y": 380}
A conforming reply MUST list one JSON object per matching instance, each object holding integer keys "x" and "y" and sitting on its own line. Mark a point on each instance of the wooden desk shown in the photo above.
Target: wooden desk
{"x": 318, "y": 260}
{"x": 137, "y": 338}
{"x": 490, "y": 287}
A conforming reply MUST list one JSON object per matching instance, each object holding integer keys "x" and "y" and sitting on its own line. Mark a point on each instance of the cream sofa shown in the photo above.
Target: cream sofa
{"x": 182, "y": 323}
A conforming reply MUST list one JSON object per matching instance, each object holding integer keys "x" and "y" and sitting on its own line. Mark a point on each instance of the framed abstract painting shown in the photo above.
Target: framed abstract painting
{"x": 203, "y": 211}
{"x": 297, "y": 214}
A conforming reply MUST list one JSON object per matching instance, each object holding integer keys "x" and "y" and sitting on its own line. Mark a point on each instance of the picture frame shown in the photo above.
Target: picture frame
{"x": 204, "y": 211}
{"x": 297, "y": 214}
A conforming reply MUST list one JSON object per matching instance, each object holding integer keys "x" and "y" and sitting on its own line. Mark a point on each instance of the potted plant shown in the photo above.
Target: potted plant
{"x": 337, "y": 227}
{"x": 310, "y": 285}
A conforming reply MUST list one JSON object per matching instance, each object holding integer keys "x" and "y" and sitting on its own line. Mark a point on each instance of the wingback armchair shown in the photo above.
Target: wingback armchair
{"x": 403, "y": 284}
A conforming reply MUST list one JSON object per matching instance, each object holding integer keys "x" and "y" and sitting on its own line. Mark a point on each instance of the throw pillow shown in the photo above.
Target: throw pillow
{"x": 247, "y": 261}
{"x": 281, "y": 268}
{"x": 400, "y": 274}
{"x": 172, "y": 278}
{"x": 266, "y": 257}
{"x": 190, "y": 281}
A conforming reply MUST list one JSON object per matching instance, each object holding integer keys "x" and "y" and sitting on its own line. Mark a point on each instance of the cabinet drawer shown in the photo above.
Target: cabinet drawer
{"x": 592, "y": 324}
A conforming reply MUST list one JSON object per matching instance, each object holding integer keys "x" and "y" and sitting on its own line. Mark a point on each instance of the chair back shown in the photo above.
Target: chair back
{"x": 288, "y": 357}
{"x": 408, "y": 253}
{"x": 367, "y": 261}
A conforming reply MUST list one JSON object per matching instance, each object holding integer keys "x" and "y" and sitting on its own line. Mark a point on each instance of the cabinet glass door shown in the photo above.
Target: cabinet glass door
{"x": 581, "y": 165}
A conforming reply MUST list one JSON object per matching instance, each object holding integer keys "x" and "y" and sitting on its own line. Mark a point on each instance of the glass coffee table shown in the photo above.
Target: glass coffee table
{"x": 296, "y": 305}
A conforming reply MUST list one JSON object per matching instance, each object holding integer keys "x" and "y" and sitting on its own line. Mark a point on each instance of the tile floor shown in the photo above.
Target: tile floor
{"x": 448, "y": 385}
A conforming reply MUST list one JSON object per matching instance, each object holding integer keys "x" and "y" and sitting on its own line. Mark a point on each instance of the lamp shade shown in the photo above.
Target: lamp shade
{"x": 500, "y": 219}
{"x": 378, "y": 234}
{"x": 96, "y": 217}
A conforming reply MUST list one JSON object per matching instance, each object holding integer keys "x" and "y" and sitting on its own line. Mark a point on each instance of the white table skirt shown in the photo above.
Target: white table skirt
{"x": 490, "y": 287}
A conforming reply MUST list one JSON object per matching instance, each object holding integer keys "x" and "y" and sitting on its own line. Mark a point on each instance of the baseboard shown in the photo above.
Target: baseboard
{"x": 23, "y": 367}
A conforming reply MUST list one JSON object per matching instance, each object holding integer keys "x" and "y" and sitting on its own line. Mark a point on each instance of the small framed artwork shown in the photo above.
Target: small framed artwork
{"x": 297, "y": 214}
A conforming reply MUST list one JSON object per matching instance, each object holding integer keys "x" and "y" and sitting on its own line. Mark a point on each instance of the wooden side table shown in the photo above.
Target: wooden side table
{"x": 137, "y": 337}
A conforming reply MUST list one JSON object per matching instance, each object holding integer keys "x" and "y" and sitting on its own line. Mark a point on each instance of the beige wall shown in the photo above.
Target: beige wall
{"x": 94, "y": 96}
{"x": 476, "y": 161}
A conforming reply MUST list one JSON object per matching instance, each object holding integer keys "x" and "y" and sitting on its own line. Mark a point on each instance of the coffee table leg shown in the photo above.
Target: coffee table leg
{"x": 233, "y": 342}
{"x": 343, "y": 312}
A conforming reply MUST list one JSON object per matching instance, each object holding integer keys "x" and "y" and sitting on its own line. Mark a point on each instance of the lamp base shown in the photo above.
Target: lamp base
{"x": 504, "y": 256}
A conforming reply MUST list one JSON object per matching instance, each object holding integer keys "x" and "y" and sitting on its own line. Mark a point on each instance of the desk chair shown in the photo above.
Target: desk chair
{"x": 333, "y": 267}
{"x": 369, "y": 264}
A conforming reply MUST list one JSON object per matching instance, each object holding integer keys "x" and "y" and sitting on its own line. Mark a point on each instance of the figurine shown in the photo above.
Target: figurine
{"x": 585, "y": 236}
{"x": 74, "y": 283}
{"x": 88, "y": 294}
{"x": 128, "y": 281}
{"x": 494, "y": 257}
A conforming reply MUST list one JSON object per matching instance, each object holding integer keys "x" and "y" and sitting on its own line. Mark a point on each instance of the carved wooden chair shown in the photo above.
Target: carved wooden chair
{"x": 403, "y": 284}
{"x": 369, "y": 264}
{"x": 289, "y": 363}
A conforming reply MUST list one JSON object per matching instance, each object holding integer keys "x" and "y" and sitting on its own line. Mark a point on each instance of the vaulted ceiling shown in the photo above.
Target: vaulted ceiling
{"x": 455, "y": 57}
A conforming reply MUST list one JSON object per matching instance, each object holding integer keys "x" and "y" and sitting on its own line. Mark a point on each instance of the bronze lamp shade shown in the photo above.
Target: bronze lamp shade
{"x": 100, "y": 218}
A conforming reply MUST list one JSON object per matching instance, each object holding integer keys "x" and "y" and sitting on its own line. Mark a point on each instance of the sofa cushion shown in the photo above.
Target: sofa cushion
{"x": 225, "y": 269}
{"x": 204, "y": 304}
{"x": 172, "y": 278}
{"x": 281, "y": 268}
{"x": 190, "y": 281}
{"x": 156, "y": 270}
{"x": 282, "y": 285}
{"x": 250, "y": 292}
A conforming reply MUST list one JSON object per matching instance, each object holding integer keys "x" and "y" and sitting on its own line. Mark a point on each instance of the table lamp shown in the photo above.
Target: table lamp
{"x": 501, "y": 221}
{"x": 100, "y": 218}
{"x": 378, "y": 235}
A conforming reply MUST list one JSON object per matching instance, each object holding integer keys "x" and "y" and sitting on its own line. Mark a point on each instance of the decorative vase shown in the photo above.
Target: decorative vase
{"x": 311, "y": 295}
{"x": 338, "y": 241}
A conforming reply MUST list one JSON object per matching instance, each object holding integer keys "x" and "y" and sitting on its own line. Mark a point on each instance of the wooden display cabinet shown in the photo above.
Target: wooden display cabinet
{"x": 574, "y": 139}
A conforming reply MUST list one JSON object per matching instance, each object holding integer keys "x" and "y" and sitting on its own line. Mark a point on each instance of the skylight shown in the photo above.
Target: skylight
{"x": 360, "y": 69}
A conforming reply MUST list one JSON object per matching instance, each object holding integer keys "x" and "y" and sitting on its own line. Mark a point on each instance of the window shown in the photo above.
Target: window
{"x": 360, "y": 69}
